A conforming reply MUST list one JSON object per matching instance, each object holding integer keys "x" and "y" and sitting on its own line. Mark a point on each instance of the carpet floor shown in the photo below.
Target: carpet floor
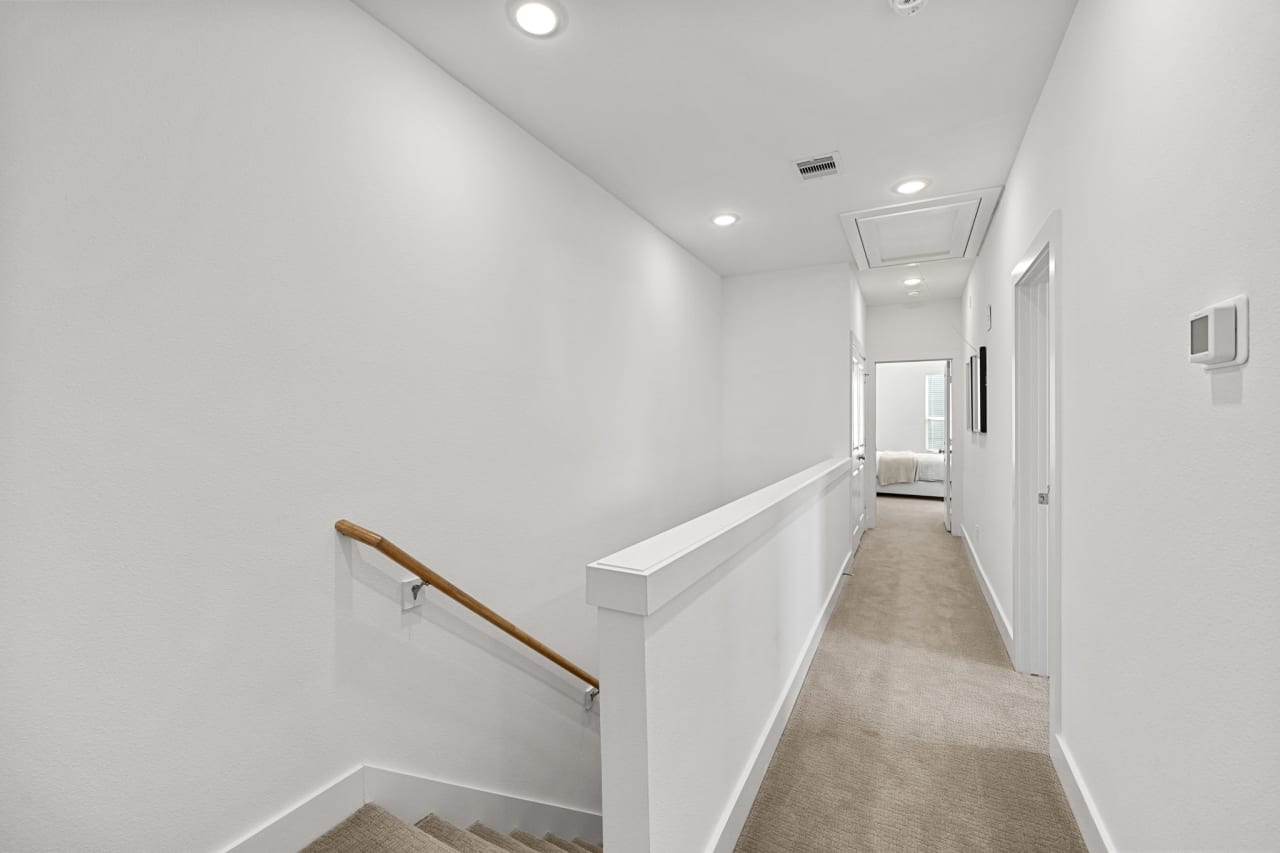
{"x": 912, "y": 731}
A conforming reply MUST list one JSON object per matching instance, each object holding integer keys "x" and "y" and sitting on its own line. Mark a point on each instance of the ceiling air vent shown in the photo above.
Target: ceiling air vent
{"x": 818, "y": 167}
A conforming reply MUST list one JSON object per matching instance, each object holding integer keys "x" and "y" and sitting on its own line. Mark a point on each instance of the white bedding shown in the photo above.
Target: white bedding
{"x": 895, "y": 467}
{"x": 904, "y": 466}
{"x": 931, "y": 467}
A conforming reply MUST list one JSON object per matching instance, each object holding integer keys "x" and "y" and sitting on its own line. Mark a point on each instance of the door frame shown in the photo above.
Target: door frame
{"x": 1028, "y": 616}
{"x": 872, "y": 439}
{"x": 858, "y": 516}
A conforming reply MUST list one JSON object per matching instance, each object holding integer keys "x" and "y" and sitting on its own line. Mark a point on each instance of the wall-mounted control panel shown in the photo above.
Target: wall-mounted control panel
{"x": 1218, "y": 336}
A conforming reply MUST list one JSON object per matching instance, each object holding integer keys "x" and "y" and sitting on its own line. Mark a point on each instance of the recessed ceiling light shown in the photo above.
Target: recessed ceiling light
{"x": 536, "y": 19}
{"x": 724, "y": 220}
{"x": 911, "y": 187}
{"x": 913, "y": 293}
{"x": 907, "y": 8}
{"x": 913, "y": 281}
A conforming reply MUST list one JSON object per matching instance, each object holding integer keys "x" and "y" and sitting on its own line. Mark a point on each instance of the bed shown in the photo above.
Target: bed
{"x": 904, "y": 472}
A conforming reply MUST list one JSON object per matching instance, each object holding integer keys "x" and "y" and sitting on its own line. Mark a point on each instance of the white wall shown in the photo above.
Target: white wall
{"x": 857, "y": 314}
{"x": 786, "y": 372}
{"x": 262, "y": 266}
{"x": 911, "y": 332}
{"x": 1155, "y": 139}
{"x": 900, "y": 403}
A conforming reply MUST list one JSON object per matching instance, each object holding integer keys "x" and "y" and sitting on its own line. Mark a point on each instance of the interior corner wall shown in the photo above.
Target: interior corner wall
{"x": 1155, "y": 139}
{"x": 857, "y": 314}
{"x": 263, "y": 266}
{"x": 915, "y": 332}
{"x": 786, "y": 373}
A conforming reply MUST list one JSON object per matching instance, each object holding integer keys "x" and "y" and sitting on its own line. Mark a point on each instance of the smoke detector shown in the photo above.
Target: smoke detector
{"x": 907, "y": 8}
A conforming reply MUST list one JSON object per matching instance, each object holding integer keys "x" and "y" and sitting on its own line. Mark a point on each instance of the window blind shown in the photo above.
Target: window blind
{"x": 935, "y": 412}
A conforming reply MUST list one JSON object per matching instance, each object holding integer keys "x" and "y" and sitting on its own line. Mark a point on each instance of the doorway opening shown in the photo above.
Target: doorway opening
{"x": 857, "y": 440}
{"x": 1035, "y": 490}
{"x": 913, "y": 431}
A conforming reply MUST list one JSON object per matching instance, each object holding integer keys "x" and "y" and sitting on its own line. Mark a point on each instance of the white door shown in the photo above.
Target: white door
{"x": 1033, "y": 491}
{"x": 857, "y": 442}
{"x": 946, "y": 482}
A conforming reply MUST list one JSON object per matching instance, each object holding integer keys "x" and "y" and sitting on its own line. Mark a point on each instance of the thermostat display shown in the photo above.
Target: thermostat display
{"x": 1200, "y": 335}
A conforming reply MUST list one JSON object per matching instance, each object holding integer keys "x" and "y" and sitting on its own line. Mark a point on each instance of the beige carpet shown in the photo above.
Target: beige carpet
{"x": 912, "y": 731}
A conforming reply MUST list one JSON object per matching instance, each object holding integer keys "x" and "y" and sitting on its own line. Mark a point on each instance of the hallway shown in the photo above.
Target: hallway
{"x": 912, "y": 731}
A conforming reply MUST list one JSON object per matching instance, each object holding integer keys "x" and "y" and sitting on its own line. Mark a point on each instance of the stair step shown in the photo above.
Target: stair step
{"x": 577, "y": 845}
{"x": 457, "y": 837}
{"x": 533, "y": 842}
{"x": 498, "y": 839}
{"x": 371, "y": 829}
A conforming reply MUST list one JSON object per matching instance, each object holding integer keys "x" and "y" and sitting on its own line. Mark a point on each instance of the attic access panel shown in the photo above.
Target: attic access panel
{"x": 935, "y": 229}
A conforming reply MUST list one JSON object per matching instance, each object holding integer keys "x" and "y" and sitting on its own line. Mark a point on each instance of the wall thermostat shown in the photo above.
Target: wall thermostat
{"x": 1219, "y": 334}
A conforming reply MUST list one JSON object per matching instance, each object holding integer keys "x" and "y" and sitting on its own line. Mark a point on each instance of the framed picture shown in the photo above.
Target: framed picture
{"x": 979, "y": 391}
{"x": 968, "y": 395}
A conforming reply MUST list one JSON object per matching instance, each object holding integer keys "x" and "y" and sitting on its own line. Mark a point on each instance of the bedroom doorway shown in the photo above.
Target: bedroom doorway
{"x": 913, "y": 431}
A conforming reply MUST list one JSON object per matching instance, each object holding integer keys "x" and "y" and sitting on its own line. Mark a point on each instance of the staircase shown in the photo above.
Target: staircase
{"x": 374, "y": 830}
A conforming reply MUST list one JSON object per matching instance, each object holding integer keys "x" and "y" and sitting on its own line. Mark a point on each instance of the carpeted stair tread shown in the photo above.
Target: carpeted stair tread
{"x": 588, "y": 846}
{"x": 374, "y": 830}
{"x": 506, "y": 842}
{"x": 567, "y": 846}
{"x": 455, "y": 836}
{"x": 533, "y": 842}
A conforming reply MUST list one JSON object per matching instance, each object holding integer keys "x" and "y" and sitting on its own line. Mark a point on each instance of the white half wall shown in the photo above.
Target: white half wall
{"x": 263, "y": 266}
{"x": 706, "y": 631}
{"x": 786, "y": 372}
{"x": 1155, "y": 139}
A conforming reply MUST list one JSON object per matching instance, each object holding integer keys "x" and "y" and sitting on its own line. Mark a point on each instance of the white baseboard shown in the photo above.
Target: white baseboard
{"x": 735, "y": 817}
{"x": 1002, "y": 621}
{"x": 1096, "y": 837}
{"x": 411, "y": 797}
{"x": 301, "y": 824}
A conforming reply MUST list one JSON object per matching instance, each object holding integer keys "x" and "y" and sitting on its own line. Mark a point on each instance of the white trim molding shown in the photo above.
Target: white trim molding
{"x": 997, "y": 612}
{"x": 1094, "y": 832}
{"x": 1036, "y": 590}
{"x": 644, "y": 577}
{"x": 411, "y": 797}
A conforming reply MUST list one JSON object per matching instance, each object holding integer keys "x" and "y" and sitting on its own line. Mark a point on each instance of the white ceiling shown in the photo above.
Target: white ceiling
{"x": 684, "y": 109}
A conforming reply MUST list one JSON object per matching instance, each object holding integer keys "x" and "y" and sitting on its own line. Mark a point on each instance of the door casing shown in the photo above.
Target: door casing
{"x": 1037, "y": 590}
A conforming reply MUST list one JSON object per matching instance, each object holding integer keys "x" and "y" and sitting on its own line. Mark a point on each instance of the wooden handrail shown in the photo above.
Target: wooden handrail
{"x": 385, "y": 546}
